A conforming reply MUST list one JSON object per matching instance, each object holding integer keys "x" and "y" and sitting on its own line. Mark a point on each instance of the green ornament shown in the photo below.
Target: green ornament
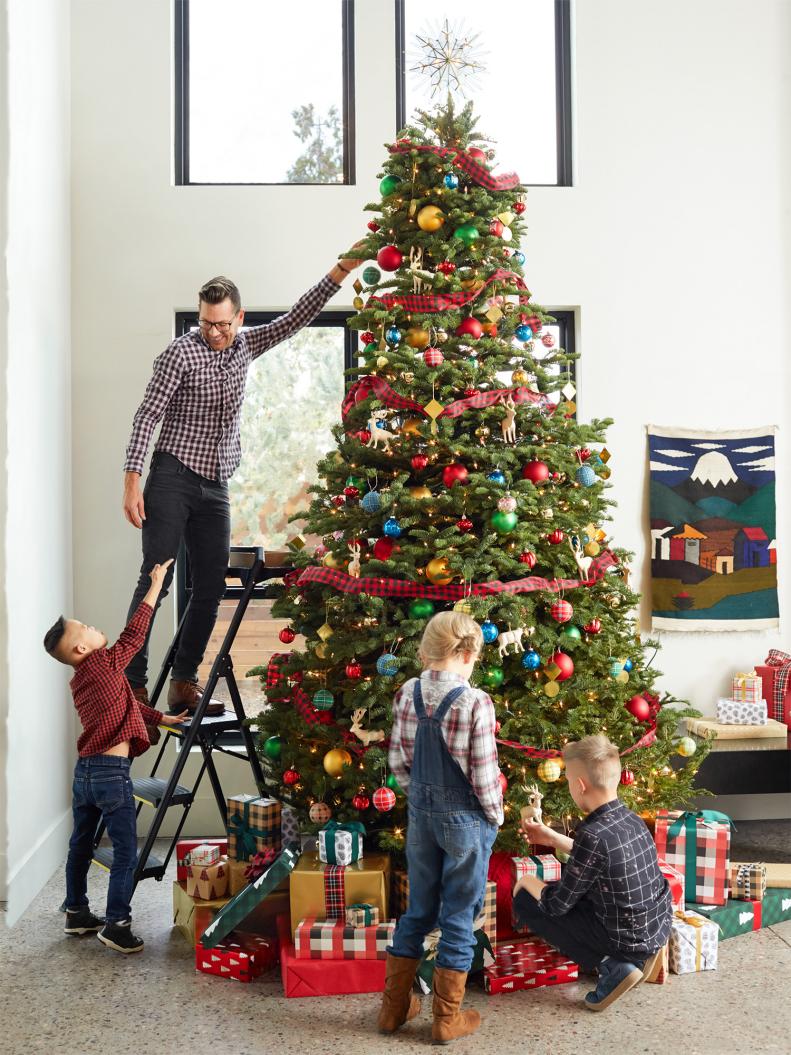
{"x": 571, "y": 633}
{"x": 389, "y": 185}
{"x": 492, "y": 677}
{"x": 467, "y": 233}
{"x": 393, "y": 784}
{"x": 273, "y": 747}
{"x": 323, "y": 699}
{"x": 421, "y": 608}
{"x": 356, "y": 481}
{"x": 372, "y": 347}
{"x": 504, "y": 523}
{"x": 371, "y": 276}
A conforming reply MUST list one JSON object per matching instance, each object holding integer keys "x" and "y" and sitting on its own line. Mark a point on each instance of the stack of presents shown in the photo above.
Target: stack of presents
{"x": 757, "y": 714}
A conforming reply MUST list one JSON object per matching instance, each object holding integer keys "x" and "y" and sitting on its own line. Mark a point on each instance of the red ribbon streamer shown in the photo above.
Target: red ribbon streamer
{"x": 534, "y": 752}
{"x": 430, "y": 303}
{"x": 477, "y": 172}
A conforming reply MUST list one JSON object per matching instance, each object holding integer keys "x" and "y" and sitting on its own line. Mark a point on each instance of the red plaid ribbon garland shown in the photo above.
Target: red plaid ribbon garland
{"x": 431, "y": 303}
{"x": 536, "y": 752}
{"x": 477, "y": 172}
{"x": 335, "y": 892}
{"x": 276, "y": 682}
{"x": 781, "y": 661}
{"x": 453, "y": 591}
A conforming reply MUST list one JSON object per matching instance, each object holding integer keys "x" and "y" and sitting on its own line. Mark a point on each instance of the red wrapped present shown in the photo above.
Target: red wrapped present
{"x": 326, "y": 977}
{"x": 776, "y": 681}
{"x": 242, "y": 957}
{"x": 675, "y": 881}
{"x": 184, "y": 848}
{"x": 334, "y": 939}
{"x": 698, "y": 845}
{"x": 528, "y": 964}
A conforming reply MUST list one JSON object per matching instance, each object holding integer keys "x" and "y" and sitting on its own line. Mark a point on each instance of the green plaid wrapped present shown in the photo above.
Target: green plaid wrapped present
{"x": 254, "y": 824}
{"x": 748, "y": 881}
{"x": 483, "y": 956}
{"x": 362, "y": 915}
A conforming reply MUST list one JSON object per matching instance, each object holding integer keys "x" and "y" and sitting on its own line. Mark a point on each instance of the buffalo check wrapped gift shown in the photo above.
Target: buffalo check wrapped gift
{"x": 748, "y": 881}
{"x": 739, "y": 712}
{"x": 693, "y": 943}
{"x": 254, "y": 824}
{"x": 675, "y": 880}
{"x": 362, "y": 915}
{"x": 341, "y": 844}
{"x": 747, "y": 687}
{"x": 241, "y": 957}
{"x": 528, "y": 963}
{"x": 698, "y": 845}
{"x": 207, "y": 881}
{"x": 334, "y": 939}
{"x": 324, "y": 891}
{"x": 776, "y": 679}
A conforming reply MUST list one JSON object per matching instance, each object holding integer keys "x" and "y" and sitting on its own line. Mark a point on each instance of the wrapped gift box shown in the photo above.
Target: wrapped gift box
{"x": 334, "y": 939}
{"x": 739, "y": 712}
{"x": 233, "y": 915}
{"x": 362, "y": 915}
{"x": 192, "y": 917}
{"x": 698, "y": 846}
{"x": 747, "y": 687}
{"x": 675, "y": 881}
{"x": 253, "y": 824}
{"x": 289, "y": 826}
{"x": 238, "y": 878}
{"x": 324, "y": 891}
{"x": 543, "y": 866}
{"x": 325, "y": 977}
{"x": 692, "y": 944}
{"x": 207, "y": 882}
{"x": 739, "y": 917}
{"x": 748, "y": 881}
{"x": 399, "y": 893}
{"x": 241, "y": 957}
{"x": 486, "y": 921}
{"x": 528, "y": 964}
{"x": 775, "y": 677}
{"x": 659, "y": 974}
{"x": 341, "y": 844}
{"x": 777, "y": 875}
{"x": 483, "y": 956}
{"x": 205, "y": 854}
{"x": 184, "y": 848}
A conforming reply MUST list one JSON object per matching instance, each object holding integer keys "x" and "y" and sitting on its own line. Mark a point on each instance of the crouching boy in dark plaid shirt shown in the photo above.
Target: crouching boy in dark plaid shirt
{"x": 612, "y": 908}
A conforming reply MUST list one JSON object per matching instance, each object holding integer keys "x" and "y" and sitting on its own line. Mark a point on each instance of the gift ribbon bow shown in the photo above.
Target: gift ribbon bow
{"x": 689, "y": 821}
{"x": 366, "y": 909}
{"x": 698, "y": 923}
{"x": 331, "y": 828}
{"x": 259, "y": 864}
{"x": 247, "y": 836}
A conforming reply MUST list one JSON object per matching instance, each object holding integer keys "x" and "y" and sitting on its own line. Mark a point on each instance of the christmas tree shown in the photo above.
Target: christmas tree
{"x": 458, "y": 482}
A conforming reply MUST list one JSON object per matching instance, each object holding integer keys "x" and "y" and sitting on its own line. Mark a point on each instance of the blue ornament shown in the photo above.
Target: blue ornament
{"x": 451, "y": 180}
{"x": 518, "y": 257}
{"x": 489, "y": 631}
{"x": 523, "y": 332}
{"x": 628, "y": 665}
{"x": 372, "y": 502}
{"x": 616, "y": 666}
{"x": 387, "y": 664}
{"x": 473, "y": 361}
{"x": 531, "y": 659}
{"x": 497, "y": 476}
{"x": 392, "y": 527}
{"x": 393, "y": 335}
{"x": 585, "y": 476}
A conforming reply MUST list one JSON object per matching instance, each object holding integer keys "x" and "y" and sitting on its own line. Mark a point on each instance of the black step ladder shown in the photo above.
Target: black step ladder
{"x": 226, "y": 733}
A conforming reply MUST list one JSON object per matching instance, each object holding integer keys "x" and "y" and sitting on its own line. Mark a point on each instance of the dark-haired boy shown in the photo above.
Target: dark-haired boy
{"x": 114, "y": 732}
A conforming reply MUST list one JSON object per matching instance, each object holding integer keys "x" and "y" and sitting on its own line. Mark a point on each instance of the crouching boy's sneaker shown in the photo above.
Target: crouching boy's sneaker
{"x": 119, "y": 936}
{"x": 82, "y": 921}
{"x": 616, "y": 977}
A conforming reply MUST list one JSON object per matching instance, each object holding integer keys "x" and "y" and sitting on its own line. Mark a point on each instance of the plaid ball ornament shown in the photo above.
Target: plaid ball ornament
{"x": 561, "y": 611}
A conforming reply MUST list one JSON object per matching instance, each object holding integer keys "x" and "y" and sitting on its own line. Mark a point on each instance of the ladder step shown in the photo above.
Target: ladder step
{"x": 103, "y": 857}
{"x": 151, "y": 791}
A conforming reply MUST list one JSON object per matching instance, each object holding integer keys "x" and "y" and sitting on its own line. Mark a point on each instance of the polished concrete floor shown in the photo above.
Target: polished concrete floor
{"x": 69, "y": 996}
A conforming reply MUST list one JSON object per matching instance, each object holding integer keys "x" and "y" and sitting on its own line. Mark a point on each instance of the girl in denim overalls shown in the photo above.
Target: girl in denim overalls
{"x": 444, "y": 755}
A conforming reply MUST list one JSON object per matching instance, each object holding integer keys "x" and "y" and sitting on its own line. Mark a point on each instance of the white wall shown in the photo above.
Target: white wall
{"x": 37, "y": 744}
{"x": 672, "y": 245}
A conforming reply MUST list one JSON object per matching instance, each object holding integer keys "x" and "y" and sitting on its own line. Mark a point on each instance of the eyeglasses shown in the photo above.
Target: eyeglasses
{"x": 220, "y": 327}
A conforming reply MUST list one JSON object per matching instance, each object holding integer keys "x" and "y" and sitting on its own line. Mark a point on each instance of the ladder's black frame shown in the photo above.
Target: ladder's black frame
{"x": 206, "y": 733}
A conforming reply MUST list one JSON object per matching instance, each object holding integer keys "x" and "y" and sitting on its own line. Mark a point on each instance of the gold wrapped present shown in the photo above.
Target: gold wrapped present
{"x": 324, "y": 891}
{"x": 193, "y": 916}
{"x": 237, "y": 880}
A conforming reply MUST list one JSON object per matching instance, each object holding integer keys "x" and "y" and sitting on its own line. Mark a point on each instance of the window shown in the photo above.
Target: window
{"x": 519, "y": 80}
{"x": 562, "y": 333}
{"x": 264, "y": 92}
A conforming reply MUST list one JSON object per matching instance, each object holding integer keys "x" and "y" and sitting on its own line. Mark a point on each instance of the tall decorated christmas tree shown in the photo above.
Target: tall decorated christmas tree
{"x": 458, "y": 482}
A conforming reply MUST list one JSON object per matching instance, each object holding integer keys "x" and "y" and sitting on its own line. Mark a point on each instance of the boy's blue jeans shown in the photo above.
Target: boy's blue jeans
{"x": 102, "y": 790}
{"x": 448, "y": 852}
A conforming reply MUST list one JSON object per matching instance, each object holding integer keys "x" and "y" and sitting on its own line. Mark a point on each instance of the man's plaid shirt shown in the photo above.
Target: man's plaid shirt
{"x": 468, "y": 731}
{"x": 104, "y": 699}
{"x": 200, "y": 391}
{"x": 613, "y": 863}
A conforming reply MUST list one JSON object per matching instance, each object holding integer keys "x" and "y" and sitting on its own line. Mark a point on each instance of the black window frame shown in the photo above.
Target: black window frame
{"x": 563, "y": 114}
{"x": 181, "y": 139}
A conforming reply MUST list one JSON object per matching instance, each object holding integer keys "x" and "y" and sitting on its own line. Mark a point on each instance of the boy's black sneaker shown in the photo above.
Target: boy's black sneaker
{"x": 119, "y": 936}
{"x": 82, "y": 921}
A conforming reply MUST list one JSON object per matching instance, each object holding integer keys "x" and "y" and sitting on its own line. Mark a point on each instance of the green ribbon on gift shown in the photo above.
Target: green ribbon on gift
{"x": 539, "y": 866}
{"x": 366, "y": 909}
{"x": 246, "y": 836}
{"x": 331, "y": 828}
{"x": 689, "y": 822}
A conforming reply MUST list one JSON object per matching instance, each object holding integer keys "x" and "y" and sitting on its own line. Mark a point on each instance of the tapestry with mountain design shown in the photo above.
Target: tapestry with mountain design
{"x": 713, "y": 529}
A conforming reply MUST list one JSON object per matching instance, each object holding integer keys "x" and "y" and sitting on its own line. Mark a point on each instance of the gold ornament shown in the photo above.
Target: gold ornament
{"x": 325, "y": 632}
{"x": 592, "y": 548}
{"x": 438, "y": 571}
{"x": 551, "y": 689}
{"x": 322, "y": 651}
{"x": 548, "y": 771}
{"x": 358, "y": 304}
{"x": 412, "y": 426}
{"x": 483, "y": 432}
{"x": 519, "y": 377}
{"x": 382, "y": 361}
{"x": 417, "y": 337}
{"x": 336, "y": 760}
{"x": 420, "y": 492}
{"x": 463, "y": 606}
{"x": 408, "y": 376}
{"x": 440, "y": 337}
{"x": 329, "y": 561}
{"x": 430, "y": 218}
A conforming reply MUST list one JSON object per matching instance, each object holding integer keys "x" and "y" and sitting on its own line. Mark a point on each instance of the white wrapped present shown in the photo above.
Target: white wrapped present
{"x": 740, "y": 712}
{"x": 341, "y": 844}
{"x": 693, "y": 943}
{"x": 204, "y": 855}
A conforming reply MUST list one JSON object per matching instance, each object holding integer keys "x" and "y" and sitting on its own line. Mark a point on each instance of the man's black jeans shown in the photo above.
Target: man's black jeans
{"x": 180, "y": 504}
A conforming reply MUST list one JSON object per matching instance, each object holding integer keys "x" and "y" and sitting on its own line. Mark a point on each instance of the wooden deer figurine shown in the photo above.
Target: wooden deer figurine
{"x": 354, "y": 563}
{"x": 416, "y": 269}
{"x": 366, "y": 736}
{"x": 532, "y": 811}
{"x": 379, "y": 435}
{"x": 508, "y": 424}
{"x": 583, "y": 562}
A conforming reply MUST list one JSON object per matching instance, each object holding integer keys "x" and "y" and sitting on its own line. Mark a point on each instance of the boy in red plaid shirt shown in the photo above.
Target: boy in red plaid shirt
{"x": 114, "y": 732}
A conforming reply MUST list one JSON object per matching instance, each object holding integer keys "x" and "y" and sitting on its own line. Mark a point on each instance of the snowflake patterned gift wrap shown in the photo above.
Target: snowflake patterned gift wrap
{"x": 693, "y": 943}
{"x": 739, "y": 712}
{"x": 341, "y": 844}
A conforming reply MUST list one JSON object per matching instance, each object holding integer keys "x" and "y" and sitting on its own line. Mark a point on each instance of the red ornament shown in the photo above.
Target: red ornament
{"x": 455, "y": 473}
{"x": 583, "y": 454}
{"x": 465, "y": 524}
{"x": 537, "y": 472}
{"x": 555, "y": 476}
{"x": 361, "y": 801}
{"x": 286, "y": 635}
{"x": 367, "y": 337}
{"x": 561, "y": 611}
{"x": 593, "y": 627}
{"x": 373, "y": 226}
{"x": 639, "y": 708}
{"x": 477, "y": 153}
{"x": 627, "y": 777}
{"x": 528, "y": 558}
{"x": 296, "y": 677}
{"x": 503, "y": 783}
{"x": 363, "y": 435}
{"x": 496, "y": 228}
{"x": 354, "y": 670}
{"x": 384, "y": 799}
{"x": 433, "y": 357}
{"x": 490, "y": 329}
{"x": 506, "y": 252}
{"x": 419, "y": 461}
{"x": 548, "y": 340}
{"x": 469, "y": 327}
{"x": 556, "y": 537}
{"x": 564, "y": 662}
{"x": 351, "y": 492}
{"x": 447, "y": 267}
{"x": 291, "y": 777}
{"x": 470, "y": 392}
{"x": 338, "y": 500}
{"x": 383, "y": 548}
{"x": 390, "y": 258}
{"x": 519, "y": 207}
{"x": 535, "y": 324}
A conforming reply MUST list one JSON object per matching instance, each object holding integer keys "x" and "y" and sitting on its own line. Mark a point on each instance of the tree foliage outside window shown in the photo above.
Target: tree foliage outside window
{"x": 322, "y": 161}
